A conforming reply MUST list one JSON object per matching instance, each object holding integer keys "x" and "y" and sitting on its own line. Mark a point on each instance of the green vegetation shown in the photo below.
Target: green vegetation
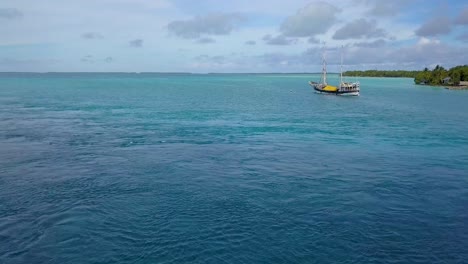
{"x": 376, "y": 73}
{"x": 440, "y": 76}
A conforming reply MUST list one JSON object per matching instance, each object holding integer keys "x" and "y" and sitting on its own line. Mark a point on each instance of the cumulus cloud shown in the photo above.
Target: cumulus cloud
{"x": 313, "y": 40}
{"x": 435, "y": 26}
{"x": 212, "y": 24}
{"x": 359, "y": 28}
{"x": 430, "y": 51}
{"x": 424, "y": 52}
{"x": 356, "y": 55}
{"x": 373, "y": 44}
{"x": 424, "y": 41}
{"x": 91, "y": 35}
{"x": 384, "y": 8}
{"x": 369, "y": 55}
{"x": 276, "y": 59}
{"x": 250, "y": 42}
{"x": 239, "y": 62}
{"x": 463, "y": 37}
{"x": 381, "y": 8}
{"x": 206, "y": 40}
{"x": 279, "y": 40}
{"x": 136, "y": 43}
{"x": 302, "y": 60}
{"x": 462, "y": 18}
{"x": 315, "y": 18}
{"x": 10, "y": 13}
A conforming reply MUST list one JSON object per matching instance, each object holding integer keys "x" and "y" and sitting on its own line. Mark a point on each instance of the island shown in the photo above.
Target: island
{"x": 455, "y": 78}
{"x": 382, "y": 73}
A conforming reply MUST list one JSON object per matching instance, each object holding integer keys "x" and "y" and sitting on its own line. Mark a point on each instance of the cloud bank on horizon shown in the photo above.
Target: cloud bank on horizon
{"x": 242, "y": 36}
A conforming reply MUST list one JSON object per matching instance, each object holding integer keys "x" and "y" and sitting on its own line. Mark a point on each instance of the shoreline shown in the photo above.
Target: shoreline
{"x": 456, "y": 87}
{"x": 462, "y": 87}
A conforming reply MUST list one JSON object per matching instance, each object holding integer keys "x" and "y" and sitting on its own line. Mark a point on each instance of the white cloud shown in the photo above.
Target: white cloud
{"x": 426, "y": 52}
{"x": 359, "y": 28}
{"x": 315, "y": 18}
{"x": 463, "y": 37}
{"x": 279, "y": 40}
{"x": 373, "y": 44}
{"x": 313, "y": 40}
{"x": 435, "y": 26}
{"x": 212, "y": 24}
{"x": 426, "y": 41}
{"x": 306, "y": 23}
{"x": 379, "y": 8}
{"x": 462, "y": 18}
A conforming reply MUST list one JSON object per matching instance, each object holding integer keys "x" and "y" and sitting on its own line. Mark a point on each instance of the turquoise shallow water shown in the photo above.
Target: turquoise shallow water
{"x": 163, "y": 168}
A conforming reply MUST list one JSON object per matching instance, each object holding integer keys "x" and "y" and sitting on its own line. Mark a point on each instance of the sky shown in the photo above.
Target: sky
{"x": 239, "y": 36}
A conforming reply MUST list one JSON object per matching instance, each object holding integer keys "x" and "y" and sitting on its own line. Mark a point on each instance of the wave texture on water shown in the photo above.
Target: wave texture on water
{"x": 181, "y": 168}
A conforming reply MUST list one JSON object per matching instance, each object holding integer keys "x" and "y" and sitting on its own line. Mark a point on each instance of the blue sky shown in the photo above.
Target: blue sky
{"x": 237, "y": 36}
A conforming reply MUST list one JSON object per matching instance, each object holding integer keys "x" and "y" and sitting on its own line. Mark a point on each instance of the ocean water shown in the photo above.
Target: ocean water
{"x": 179, "y": 168}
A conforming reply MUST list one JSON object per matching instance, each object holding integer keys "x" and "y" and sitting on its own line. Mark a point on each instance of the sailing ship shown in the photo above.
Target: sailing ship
{"x": 344, "y": 88}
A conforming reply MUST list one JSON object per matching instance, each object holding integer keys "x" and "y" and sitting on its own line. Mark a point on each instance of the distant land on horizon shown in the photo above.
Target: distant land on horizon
{"x": 425, "y": 76}
{"x": 179, "y": 73}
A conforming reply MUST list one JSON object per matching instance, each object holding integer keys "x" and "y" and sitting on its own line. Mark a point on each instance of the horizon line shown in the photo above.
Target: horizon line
{"x": 194, "y": 73}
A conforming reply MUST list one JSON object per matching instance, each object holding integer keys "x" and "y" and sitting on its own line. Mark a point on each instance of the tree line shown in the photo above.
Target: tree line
{"x": 377, "y": 73}
{"x": 439, "y": 75}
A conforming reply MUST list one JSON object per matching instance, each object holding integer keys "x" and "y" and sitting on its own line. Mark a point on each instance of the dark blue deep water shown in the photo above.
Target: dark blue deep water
{"x": 155, "y": 168}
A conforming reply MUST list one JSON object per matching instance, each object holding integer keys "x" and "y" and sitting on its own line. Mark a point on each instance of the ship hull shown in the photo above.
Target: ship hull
{"x": 344, "y": 93}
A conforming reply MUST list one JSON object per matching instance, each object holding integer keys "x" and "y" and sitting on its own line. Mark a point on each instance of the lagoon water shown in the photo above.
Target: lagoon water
{"x": 179, "y": 168}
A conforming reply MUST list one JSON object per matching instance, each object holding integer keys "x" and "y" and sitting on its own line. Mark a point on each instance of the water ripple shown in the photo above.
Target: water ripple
{"x": 230, "y": 169}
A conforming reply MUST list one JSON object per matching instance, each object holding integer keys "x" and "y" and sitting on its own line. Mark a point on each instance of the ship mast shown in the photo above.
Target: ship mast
{"x": 341, "y": 67}
{"x": 324, "y": 67}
